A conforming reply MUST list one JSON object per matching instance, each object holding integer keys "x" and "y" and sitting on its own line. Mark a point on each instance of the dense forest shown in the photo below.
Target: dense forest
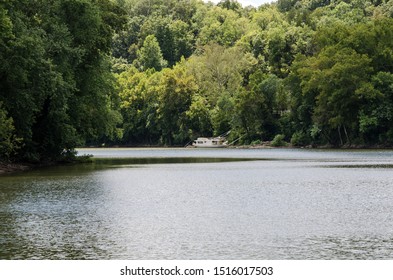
{"x": 163, "y": 72}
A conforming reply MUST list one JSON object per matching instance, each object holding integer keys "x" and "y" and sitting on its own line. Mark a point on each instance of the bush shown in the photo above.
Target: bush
{"x": 299, "y": 139}
{"x": 278, "y": 141}
{"x": 9, "y": 143}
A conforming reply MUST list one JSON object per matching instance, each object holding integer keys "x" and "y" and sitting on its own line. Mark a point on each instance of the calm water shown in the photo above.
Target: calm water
{"x": 202, "y": 204}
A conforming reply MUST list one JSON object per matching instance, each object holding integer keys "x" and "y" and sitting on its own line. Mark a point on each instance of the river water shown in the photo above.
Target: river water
{"x": 202, "y": 204}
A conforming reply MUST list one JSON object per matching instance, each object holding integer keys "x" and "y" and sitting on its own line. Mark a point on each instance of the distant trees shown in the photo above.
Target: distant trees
{"x": 75, "y": 72}
{"x": 155, "y": 105}
{"x": 314, "y": 72}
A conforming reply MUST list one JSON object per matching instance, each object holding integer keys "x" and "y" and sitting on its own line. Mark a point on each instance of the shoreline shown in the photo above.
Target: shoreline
{"x": 263, "y": 145}
{"x": 8, "y": 168}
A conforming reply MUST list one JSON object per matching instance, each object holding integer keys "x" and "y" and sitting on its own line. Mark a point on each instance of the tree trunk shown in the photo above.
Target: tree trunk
{"x": 339, "y": 134}
{"x": 346, "y": 134}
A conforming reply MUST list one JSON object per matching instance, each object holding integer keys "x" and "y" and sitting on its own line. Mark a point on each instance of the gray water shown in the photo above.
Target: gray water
{"x": 202, "y": 204}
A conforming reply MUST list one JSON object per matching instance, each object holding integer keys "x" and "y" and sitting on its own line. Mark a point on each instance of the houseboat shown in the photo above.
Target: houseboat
{"x": 212, "y": 142}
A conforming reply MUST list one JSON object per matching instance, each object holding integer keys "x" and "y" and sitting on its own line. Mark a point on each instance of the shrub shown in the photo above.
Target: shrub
{"x": 300, "y": 138}
{"x": 256, "y": 142}
{"x": 278, "y": 141}
{"x": 9, "y": 143}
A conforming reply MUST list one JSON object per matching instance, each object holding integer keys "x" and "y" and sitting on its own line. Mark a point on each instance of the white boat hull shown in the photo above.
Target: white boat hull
{"x": 217, "y": 142}
{"x": 210, "y": 146}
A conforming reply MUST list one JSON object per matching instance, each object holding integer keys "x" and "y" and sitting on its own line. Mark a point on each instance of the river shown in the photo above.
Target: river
{"x": 202, "y": 204}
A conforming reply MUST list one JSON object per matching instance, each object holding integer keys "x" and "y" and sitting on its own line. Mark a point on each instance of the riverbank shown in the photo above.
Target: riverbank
{"x": 6, "y": 168}
{"x": 268, "y": 145}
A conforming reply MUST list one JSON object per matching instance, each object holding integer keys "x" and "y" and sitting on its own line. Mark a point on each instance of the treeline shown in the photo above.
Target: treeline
{"x": 163, "y": 72}
{"x": 314, "y": 72}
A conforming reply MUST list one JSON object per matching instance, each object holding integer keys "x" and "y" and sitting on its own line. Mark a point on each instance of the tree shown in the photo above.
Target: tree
{"x": 376, "y": 118}
{"x": 340, "y": 76}
{"x": 220, "y": 70}
{"x": 279, "y": 42}
{"x": 221, "y": 26}
{"x": 174, "y": 98}
{"x": 9, "y": 143}
{"x": 344, "y": 12}
{"x": 173, "y": 36}
{"x": 139, "y": 105}
{"x": 230, "y": 5}
{"x": 56, "y": 83}
{"x": 199, "y": 117}
{"x": 150, "y": 55}
{"x": 258, "y": 109}
{"x": 285, "y": 5}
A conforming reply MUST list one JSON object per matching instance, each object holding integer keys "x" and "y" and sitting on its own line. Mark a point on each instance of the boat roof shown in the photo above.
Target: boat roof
{"x": 209, "y": 138}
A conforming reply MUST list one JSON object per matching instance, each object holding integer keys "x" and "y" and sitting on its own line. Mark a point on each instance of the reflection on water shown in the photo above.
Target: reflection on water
{"x": 202, "y": 204}
{"x": 361, "y": 166}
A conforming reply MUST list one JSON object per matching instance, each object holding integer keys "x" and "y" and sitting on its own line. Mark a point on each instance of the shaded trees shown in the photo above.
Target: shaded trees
{"x": 54, "y": 79}
{"x": 259, "y": 109}
{"x": 342, "y": 79}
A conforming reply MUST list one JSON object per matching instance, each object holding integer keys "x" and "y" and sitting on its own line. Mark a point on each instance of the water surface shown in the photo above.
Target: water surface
{"x": 202, "y": 204}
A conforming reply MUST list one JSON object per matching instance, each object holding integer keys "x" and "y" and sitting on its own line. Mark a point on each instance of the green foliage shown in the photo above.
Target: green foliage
{"x": 9, "y": 143}
{"x": 286, "y": 5}
{"x": 173, "y": 36}
{"x": 172, "y": 23}
{"x": 174, "y": 99}
{"x": 221, "y": 26}
{"x": 222, "y": 114}
{"x": 230, "y": 5}
{"x": 75, "y": 72}
{"x": 258, "y": 109}
{"x": 220, "y": 70}
{"x": 157, "y": 105}
{"x": 55, "y": 81}
{"x": 300, "y": 139}
{"x": 340, "y": 76}
{"x": 337, "y": 82}
{"x": 199, "y": 117}
{"x": 256, "y": 142}
{"x": 278, "y": 141}
{"x": 307, "y": 68}
{"x": 139, "y": 104}
{"x": 150, "y": 55}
